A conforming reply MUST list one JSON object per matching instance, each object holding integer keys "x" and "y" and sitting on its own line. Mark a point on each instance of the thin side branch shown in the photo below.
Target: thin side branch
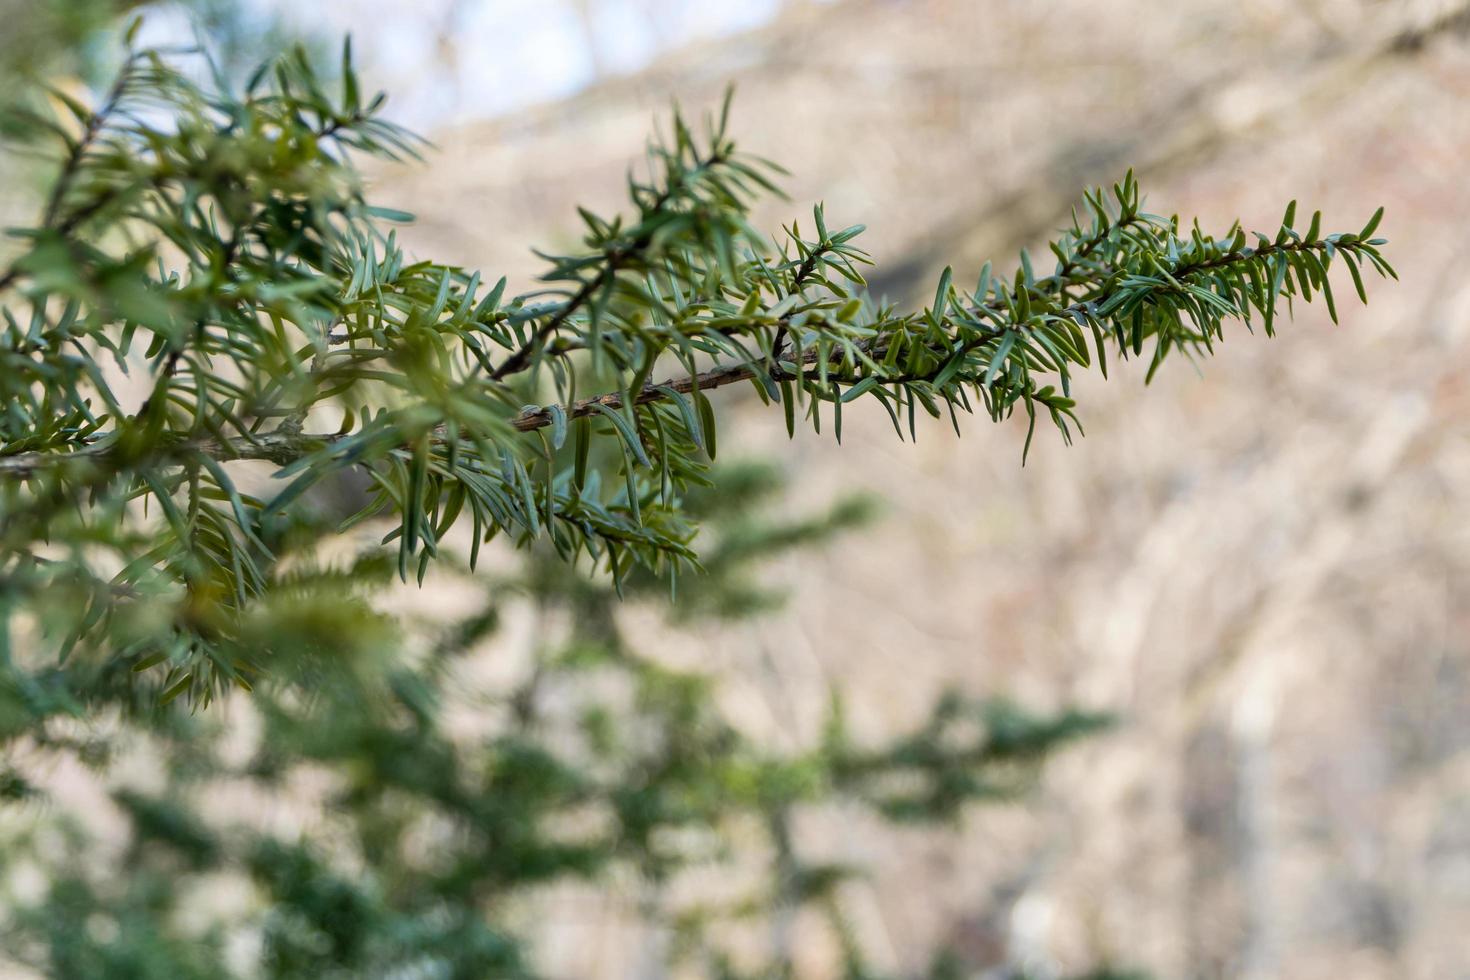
{"x": 521, "y": 357}
{"x": 287, "y": 444}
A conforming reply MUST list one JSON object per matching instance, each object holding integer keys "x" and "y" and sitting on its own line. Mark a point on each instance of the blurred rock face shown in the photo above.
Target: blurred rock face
{"x": 1264, "y": 570}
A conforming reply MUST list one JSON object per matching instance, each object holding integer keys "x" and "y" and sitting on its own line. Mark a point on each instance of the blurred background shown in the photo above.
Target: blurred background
{"x": 1263, "y": 568}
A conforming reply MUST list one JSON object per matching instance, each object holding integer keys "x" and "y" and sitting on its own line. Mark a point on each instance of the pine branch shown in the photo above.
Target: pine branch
{"x": 615, "y": 259}
{"x": 288, "y": 296}
{"x": 289, "y": 445}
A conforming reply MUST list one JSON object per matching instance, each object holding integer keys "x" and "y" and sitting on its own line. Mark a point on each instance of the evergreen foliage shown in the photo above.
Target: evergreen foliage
{"x": 209, "y": 332}
{"x": 218, "y": 244}
{"x": 428, "y": 845}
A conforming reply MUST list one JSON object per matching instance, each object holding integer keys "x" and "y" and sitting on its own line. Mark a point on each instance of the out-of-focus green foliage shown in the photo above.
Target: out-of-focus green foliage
{"x": 76, "y": 39}
{"x": 426, "y": 845}
{"x": 56, "y": 37}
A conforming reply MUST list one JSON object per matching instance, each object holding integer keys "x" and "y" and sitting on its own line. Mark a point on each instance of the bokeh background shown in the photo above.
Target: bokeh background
{"x": 1263, "y": 567}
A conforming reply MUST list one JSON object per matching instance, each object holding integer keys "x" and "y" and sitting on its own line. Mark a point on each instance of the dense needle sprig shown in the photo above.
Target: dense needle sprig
{"x": 207, "y": 286}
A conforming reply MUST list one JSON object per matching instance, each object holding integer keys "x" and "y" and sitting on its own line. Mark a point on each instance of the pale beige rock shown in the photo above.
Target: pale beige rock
{"x": 1263, "y": 569}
